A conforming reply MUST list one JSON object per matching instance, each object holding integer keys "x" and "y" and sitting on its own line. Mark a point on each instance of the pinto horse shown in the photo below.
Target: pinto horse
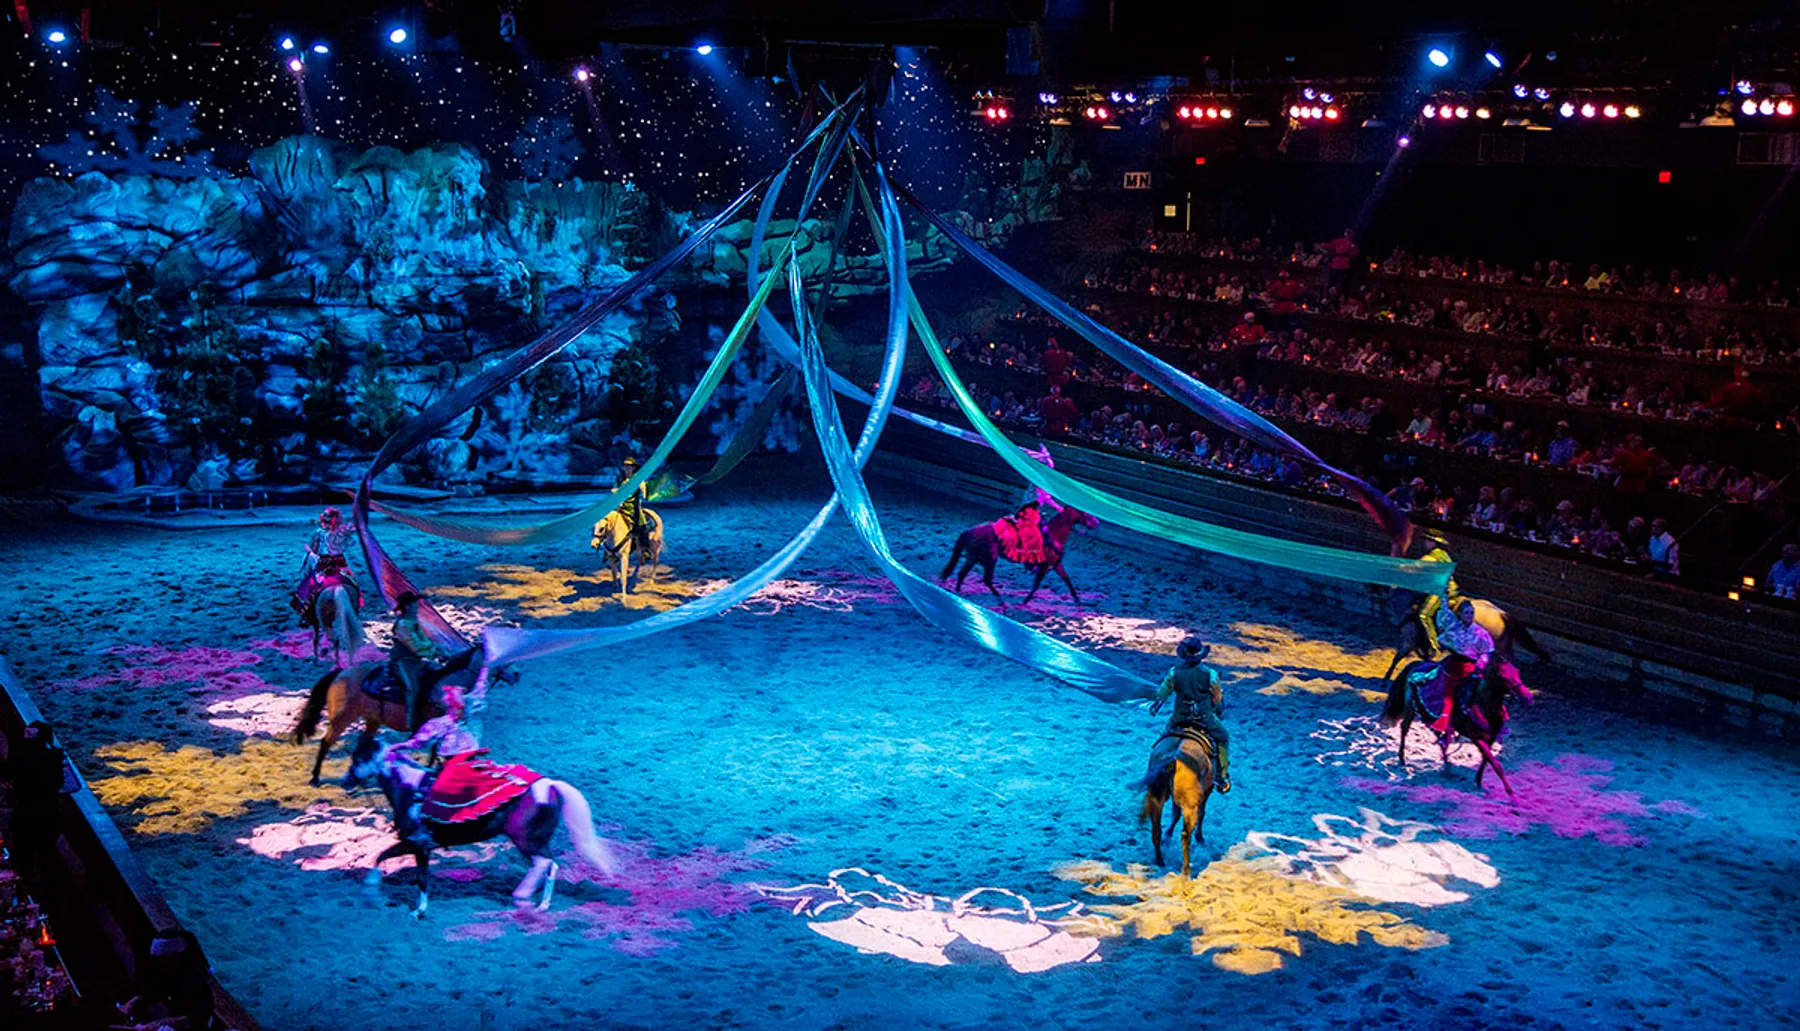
{"x": 982, "y": 546}
{"x": 1180, "y": 769}
{"x": 529, "y": 820}
{"x": 334, "y": 615}
{"x": 1508, "y": 631}
{"x": 1482, "y": 720}
{"x": 340, "y": 698}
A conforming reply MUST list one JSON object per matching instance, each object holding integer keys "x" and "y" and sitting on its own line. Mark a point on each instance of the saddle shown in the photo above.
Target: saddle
{"x": 1168, "y": 747}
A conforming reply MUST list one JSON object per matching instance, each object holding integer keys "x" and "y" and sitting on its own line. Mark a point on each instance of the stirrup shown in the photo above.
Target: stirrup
{"x": 1224, "y": 784}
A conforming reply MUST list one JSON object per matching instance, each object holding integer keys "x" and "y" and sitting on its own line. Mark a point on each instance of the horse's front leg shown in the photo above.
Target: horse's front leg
{"x": 1487, "y": 759}
{"x": 1036, "y": 582}
{"x": 1074, "y": 595}
{"x": 987, "y": 577}
{"x": 418, "y": 912}
{"x": 372, "y": 879}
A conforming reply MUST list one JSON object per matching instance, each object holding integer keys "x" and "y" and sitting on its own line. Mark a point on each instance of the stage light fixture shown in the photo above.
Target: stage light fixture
{"x": 1404, "y": 142}
{"x": 1429, "y": 110}
{"x": 1447, "y": 112}
{"x": 1308, "y": 93}
{"x": 1224, "y": 112}
{"x": 57, "y": 36}
{"x": 1633, "y": 111}
{"x": 321, "y": 48}
{"x": 1588, "y": 110}
{"x": 1438, "y": 57}
{"x": 1610, "y": 110}
{"x": 1103, "y": 113}
{"x": 1744, "y": 87}
{"x": 1767, "y": 107}
{"x": 1784, "y": 108}
{"x": 704, "y": 49}
{"x": 1541, "y": 93}
{"x": 1483, "y": 113}
{"x": 287, "y": 42}
{"x": 1326, "y": 97}
{"x": 1492, "y": 58}
{"x": 1185, "y": 111}
{"x": 1294, "y": 111}
{"x": 1461, "y": 111}
{"x": 295, "y": 64}
{"x": 397, "y": 37}
{"x": 1520, "y": 91}
{"x": 1567, "y": 110}
{"x": 582, "y": 75}
{"x": 1331, "y": 114}
{"x": 1131, "y": 98}
{"x": 1749, "y": 107}
{"x": 1318, "y": 112}
{"x": 1116, "y": 96}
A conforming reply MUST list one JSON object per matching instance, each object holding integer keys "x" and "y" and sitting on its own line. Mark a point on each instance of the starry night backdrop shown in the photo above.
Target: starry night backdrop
{"x": 291, "y": 251}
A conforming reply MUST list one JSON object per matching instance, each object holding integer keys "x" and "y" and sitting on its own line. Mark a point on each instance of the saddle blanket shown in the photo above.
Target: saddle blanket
{"x": 471, "y": 786}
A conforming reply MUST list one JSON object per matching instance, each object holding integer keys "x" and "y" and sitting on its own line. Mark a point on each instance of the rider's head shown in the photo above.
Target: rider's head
{"x": 1465, "y": 611}
{"x": 630, "y": 464}
{"x": 330, "y": 517}
{"x": 1433, "y": 539}
{"x": 407, "y": 603}
{"x": 1193, "y": 649}
{"x": 453, "y": 702}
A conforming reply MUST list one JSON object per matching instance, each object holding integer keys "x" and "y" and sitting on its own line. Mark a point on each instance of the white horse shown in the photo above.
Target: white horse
{"x": 614, "y": 536}
{"x": 334, "y": 615}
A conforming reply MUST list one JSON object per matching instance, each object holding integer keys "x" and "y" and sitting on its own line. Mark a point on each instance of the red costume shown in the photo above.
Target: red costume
{"x": 1022, "y": 536}
{"x": 470, "y": 787}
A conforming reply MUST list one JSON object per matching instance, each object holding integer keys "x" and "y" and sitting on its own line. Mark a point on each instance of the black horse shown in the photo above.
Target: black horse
{"x": 982, "y": 546}
{"x": 530, "y": 821}
{"x": 1479, "y": 714}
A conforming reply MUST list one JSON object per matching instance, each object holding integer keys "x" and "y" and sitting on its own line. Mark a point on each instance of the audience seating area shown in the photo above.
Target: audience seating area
{"x": 1650, "y": 421}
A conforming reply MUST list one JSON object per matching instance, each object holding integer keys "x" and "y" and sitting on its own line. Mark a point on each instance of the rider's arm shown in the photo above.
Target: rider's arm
{"x": 1163, "y": 692}
{"x": 428, "y": 732}
{"x": 1218, "y": 691}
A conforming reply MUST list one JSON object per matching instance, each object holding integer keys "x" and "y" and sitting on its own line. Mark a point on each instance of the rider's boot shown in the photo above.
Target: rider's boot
{"x": 1224, "y": 779}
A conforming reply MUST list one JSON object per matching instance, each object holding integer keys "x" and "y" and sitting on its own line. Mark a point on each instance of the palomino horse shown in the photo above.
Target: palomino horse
{"x": 982, "y": 545}
{"x": 334, "y": 615}
{"x": 1181, "y": 768}
{"x": 1509, "y": 632}
{"x": 1482, "y": 719}
{"x": 340, "y": 698}
{"x": 620, "y": 544}
{"x": 529, "y": 820}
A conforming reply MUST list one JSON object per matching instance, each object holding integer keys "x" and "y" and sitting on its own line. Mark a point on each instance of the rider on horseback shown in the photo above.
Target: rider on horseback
{"x": 413, "y": 650}
{"x": 632, "y": 509}
{"x": 1469, "y": 648}
{"x": 1199, "y": 702}
{"x": 1433, "y": 605}
{"x": 1022, "y": 535}
{"x": 467, "y": 785}
{"x": 325, "y": 562}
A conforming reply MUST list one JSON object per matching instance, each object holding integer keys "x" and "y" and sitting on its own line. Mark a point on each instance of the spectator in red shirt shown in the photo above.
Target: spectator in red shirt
{"x": 1057, "y": 411}
{"x": 1247, "y": 331}
{"x": 1284, "y": 298}
{"x": 1740, "y": 399}
{"x": 1056, "y": 364}
{"x": 1634, "y": 463}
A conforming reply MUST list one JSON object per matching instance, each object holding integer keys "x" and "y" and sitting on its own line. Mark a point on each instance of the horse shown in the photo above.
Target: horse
{"x": 1508, "y": 631}
{"x": 529, "y": 820}
{"x": 334, "y": 615}
{"x": 981, "y": 543}
{"x": 1180, "y": 768}
{"x": 339, "y": 697}
{"x": 1482, "y": 721}
{"x": 614, "y": 534}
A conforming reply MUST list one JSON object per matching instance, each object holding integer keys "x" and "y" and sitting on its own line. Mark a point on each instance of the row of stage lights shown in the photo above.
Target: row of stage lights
{"x": 1751, "y": 107}
{"x": 1447, "y": 112}
{"x": 1200, "y": 113}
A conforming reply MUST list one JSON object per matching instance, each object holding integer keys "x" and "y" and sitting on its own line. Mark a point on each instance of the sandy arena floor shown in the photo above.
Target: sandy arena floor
{"x": 1644, "y": 879}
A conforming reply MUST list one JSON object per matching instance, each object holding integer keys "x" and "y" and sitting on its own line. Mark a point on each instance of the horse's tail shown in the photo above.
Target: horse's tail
{"x": 1395, "y": 706}
{"x": 956, "y": 551}
{"x": 1521, "y": 635}
{"x": 580, "y": 820}
{"x": 315, "y": 707}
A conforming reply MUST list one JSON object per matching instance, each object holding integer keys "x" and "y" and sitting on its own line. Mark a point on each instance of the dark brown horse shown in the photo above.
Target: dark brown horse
{"x": 530, "y": 821}
{"x": 1481, "y": 719}
{"x": 982, "y": 546}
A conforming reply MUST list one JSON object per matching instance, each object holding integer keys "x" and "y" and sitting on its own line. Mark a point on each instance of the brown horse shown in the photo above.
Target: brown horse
{"x": 340, "y": 698}
{"x": 982, "y": 546}
{"x": 1181, "y": 768}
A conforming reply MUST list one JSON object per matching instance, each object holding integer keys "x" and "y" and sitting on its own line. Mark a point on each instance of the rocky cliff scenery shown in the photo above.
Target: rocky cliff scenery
{"x": 200, "y": 329}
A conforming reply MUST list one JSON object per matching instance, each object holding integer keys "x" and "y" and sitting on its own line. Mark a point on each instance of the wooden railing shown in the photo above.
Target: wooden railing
{"x": 117, "y": 936}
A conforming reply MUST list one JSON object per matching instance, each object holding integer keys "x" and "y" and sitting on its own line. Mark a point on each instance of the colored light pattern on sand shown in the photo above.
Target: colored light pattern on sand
{"x": 1375, "y": 856}
{"x": 153, "y": 665}
{"x": 878, "y": 916}
{"x": 1370, "y": 743}
{"x": 1104, "y": 630}
{"x": 262, "y": 714}
{"x": 662, "y": 890}
{"x": 293, "y": 644}
{"x": 329, "y": 837}
{"x": 1570, "y": 797}
{"x": 843, "y": 594}
{"x": 1245, "y": 914}
{"x": 469, "y": 620}
{"x": 549, "y": 593}
{"x": 1299, "y": 663}
{"x": 185, "y": 790}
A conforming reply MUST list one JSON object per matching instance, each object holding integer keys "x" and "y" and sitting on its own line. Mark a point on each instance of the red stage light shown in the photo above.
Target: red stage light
{"x": 1610, "y": 110}
{"x": 992, "y": 114}
{"x": 1664, "y": 176}
{"x": 1200, "y": 161}
{"x": 1101, "y": 112}
{"x": 1295, "y": 111}
{"x": 1212, "y": 112}
{"x": 1784, "y": 107}
{"x": 1331, "y": 113}
{"x": 1185, "y": 111}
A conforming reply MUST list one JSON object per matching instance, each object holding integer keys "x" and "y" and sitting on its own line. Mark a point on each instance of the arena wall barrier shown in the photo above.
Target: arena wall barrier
{"x": 114, "y": 930}
{"x": 1738, "y": 659}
